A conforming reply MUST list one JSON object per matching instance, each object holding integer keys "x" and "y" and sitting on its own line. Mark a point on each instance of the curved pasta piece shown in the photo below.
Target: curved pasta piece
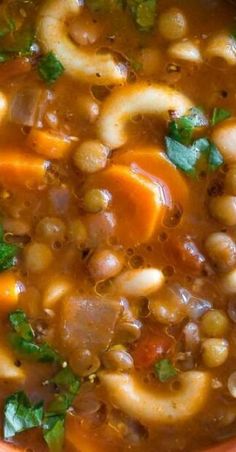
{"x": 140, "y": 98}
{"x": 222, "y": 46}
{"x": 185, "y": 50}
{"x": 157, "y": 407}
{"x": 53, "y": 36}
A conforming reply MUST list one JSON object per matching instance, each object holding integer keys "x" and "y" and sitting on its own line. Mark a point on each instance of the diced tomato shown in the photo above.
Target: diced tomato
{"x": 186, "y": 254}
{"x": 150, "y": 348}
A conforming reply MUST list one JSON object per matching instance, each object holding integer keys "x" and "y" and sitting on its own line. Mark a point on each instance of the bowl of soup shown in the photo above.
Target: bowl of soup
{"x": 117, "y": 226}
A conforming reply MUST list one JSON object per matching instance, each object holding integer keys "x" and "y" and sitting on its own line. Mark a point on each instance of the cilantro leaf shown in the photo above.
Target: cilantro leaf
{"x": 20, "y": 415}
{"x": 53, "y": 431}
{"x": 68, "y": 385}
{"x": 215, "y": 158}
{"x": 219, "y": 115}
{"x": 182, "y": 129}
{"x": 50, "y": 68}
{"x": 164, "y": 370}
{"x": 19, "y": 322}
{"x": 32, "y": 351}
{"x": 143, "y": 12}
{"x": 185, "y": 158}
{"x": 23, "y": 340}
{"x": 8, "y": 253}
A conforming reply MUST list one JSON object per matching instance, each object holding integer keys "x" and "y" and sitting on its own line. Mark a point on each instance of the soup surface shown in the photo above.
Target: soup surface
{"x": 117, "y": 232}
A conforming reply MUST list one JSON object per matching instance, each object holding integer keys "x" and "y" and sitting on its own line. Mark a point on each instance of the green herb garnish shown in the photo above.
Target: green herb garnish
{"x": 219, "y": 115}
{"x": 182, "y": 129}
{"x": 164, "y": 370}
{"x": 24, "y": 343}
{"x": 186, "y": 158}
{"x": 50, "y": 68}
{"x": 53, "y": 426}
{"x": 53, "y": 431}
{"x": 8, "y": 253}
{"x": 143, "y": 12}
{"x": 20, "y": 414}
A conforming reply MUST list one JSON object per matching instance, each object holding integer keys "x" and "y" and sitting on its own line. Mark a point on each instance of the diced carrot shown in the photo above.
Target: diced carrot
{"x": 10, "y": 289}
{"x": 151, "y": 347}
{"x": 79, "y": 439}
{"x": 13, "y": 68}
{"x": 156, "y": 164}
{"x": 48, "y": 143}
{"x": 7, "y": 447}
{"x": 20, "y": 168}
{"x": 137, "y": 203}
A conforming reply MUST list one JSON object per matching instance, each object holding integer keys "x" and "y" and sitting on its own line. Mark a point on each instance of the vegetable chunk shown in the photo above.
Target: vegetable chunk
{"x": 155, "y": 164}
{"x": 21, "y": 169}
{"x": 138, "y": 203}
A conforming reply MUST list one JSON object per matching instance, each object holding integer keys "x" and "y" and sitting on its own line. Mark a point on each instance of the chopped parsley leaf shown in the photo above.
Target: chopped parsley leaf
{"x": 23, "y": 341}
{"x": 186, "y": 158}
{"x": 50, "y": 68}
{"x": 182, "y": 129}
{"x": 20, "y": 414}
{"x": 164, "y": 370}
{"x": 219, "y": 115}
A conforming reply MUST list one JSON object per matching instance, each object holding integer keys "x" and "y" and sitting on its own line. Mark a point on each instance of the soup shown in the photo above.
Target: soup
{"x": 117, "y": 232}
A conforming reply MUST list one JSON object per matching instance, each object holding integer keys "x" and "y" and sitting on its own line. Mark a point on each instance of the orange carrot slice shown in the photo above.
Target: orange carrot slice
{"x": 137, "y": 202}
{"x": 156, "y": 164}
{"x": 21, "y": 168}
{"x": 49, "y": 144}
{"x": 10, "y": 289}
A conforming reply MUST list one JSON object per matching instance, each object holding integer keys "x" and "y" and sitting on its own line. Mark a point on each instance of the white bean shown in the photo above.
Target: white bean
{"x": 230, "y": 181}
{"x": 55, "y": 291}
{"x": 215, "y": 352}
{"x": 105, "y": 264}
{"x": 38, "y": 257}
{"x": 228, "y": 282}
{"x": 224, "y": 137}
{"x": 172, "y": 24}
{"x": 139, "y": 283}
{"x": 222, "y": 250}
{"x": 185, "y": 50}
{"x": 223, "y": 209}
{"x": 91, "y": 156}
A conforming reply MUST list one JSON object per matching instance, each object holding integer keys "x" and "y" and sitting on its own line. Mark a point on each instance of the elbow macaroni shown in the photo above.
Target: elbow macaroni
{"x": 158, "y": 407}
{"x": 80, "y": 64}
{"x": 126, "y": 102}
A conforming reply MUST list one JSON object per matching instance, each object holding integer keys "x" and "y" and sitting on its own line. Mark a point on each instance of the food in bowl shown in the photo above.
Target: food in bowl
{"x": 117, "y": 231}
